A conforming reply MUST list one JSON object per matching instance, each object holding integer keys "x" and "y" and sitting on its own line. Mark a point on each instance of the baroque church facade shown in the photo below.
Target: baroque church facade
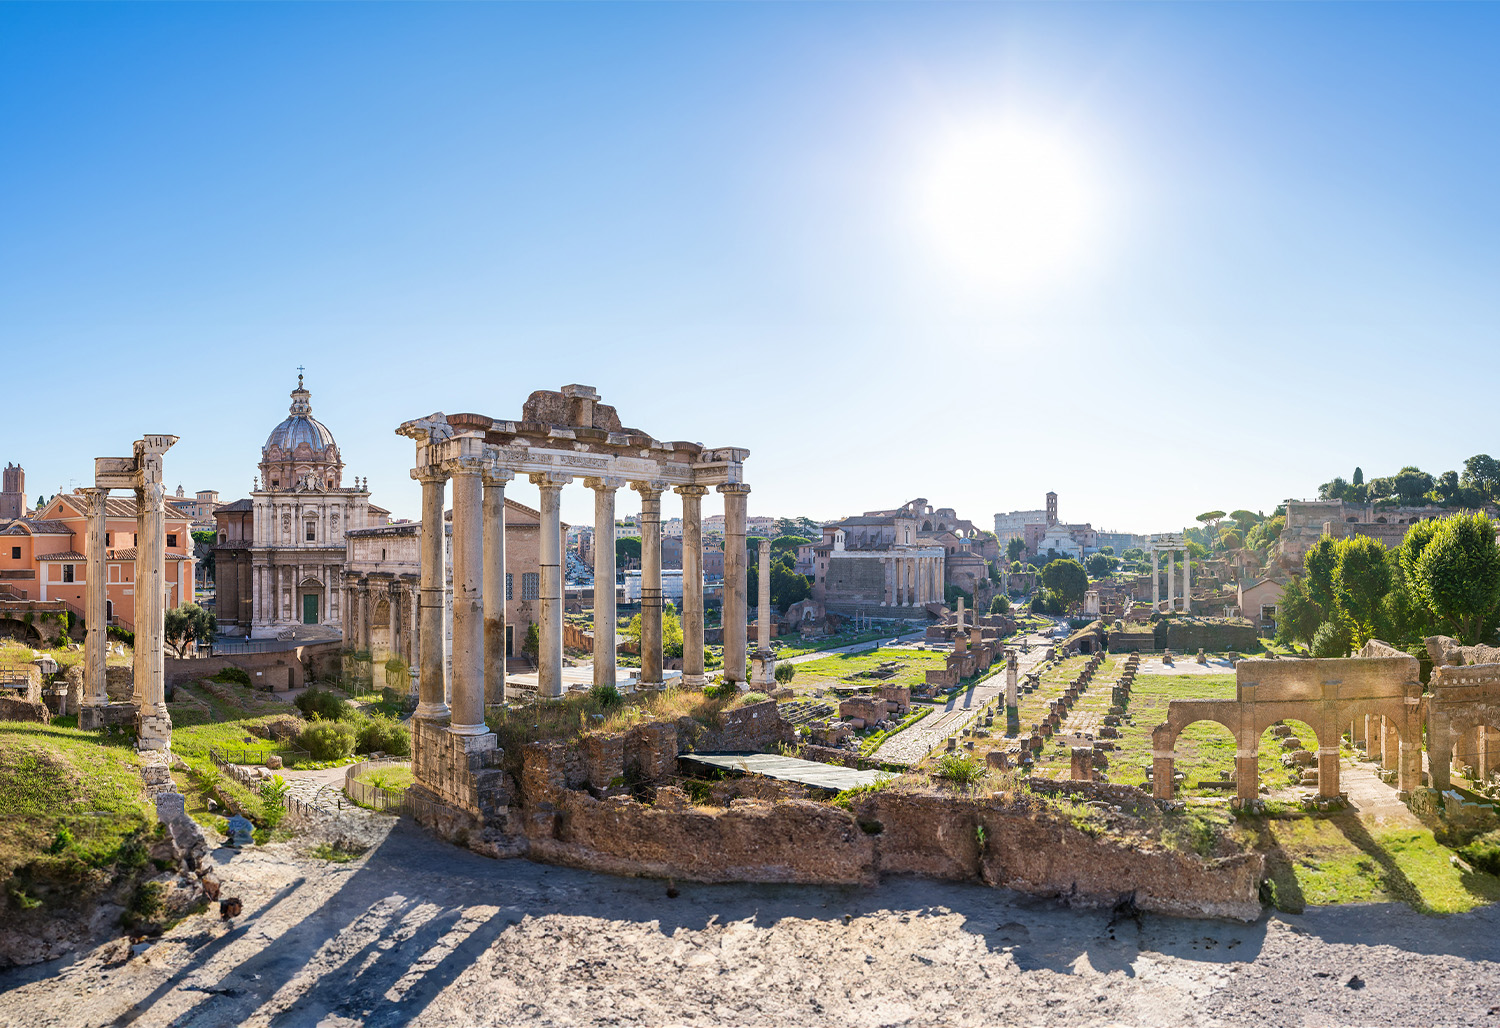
{"x": 280, "y": 555}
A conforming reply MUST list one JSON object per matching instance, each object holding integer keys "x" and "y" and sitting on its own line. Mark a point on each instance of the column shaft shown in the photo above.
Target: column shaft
{"x": 1187, "y": 584}
{"x": 468, "y": 600}
{"x": 96, "y": 645}
{"x": 692, "y": 585}
{"x": 651, "y": 602}
{"x": 494, "y": 585}
{"x": 1171, "y": 579}
{"x": 139, "y": 662}
{"x": 605, "y": 616}
{"x": 735, "y": 500}
{"x": 432, "y": 688}
{"x": 550, "y": 651}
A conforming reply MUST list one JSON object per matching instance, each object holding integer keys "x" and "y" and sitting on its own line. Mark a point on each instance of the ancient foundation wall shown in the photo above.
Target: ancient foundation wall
{"x": 1185, "y": 636}
{"x": 24, "y": 710}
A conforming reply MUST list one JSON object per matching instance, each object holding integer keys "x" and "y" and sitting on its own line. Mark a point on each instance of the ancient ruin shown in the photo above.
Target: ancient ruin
{"x": 141, "y": 473}
{"x": 1171, "y": 543}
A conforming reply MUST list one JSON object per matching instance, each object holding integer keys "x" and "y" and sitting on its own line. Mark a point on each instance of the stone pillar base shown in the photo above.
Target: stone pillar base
{"x": 763, "y": 671}
{"x": 153, "y": 728}
{"x": 693, "y": 681}
{"x": 1162, "y": 769}
{"x": 1247, "y": 777}
{"x": 1012, "y": 719}
{"x": 106, "y": 715}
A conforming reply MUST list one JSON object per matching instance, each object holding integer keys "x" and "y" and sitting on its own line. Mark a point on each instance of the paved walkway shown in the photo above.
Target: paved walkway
{"x": 912, "y": 744}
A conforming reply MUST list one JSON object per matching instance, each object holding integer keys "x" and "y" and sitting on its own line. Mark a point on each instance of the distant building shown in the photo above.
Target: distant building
{"x": 13, "y": 495}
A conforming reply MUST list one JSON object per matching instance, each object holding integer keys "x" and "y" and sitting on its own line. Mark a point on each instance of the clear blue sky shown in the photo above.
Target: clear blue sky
{"x": 1278, "y": 237}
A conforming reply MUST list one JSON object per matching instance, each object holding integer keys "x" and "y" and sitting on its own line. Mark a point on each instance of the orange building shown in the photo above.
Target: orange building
{"x": 42, "y": 558}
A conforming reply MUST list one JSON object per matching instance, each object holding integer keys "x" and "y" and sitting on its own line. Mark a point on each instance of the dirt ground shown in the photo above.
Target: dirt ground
{"x": 419, "y": 932}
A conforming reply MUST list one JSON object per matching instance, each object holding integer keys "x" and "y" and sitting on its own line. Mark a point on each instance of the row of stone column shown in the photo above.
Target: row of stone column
{"x": 360, "y": 601}
{"x": 479, "y": 586}
{"x": 912, "y": 581}
{"x": 1187, "y": 595}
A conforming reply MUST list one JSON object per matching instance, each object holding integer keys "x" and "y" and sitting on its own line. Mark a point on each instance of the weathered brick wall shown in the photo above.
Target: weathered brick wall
{"x": 1186, "y": 636}
{"x": 854, "y": 582}
{"x": 754, "y": 728}
{"x": 24, "y": 710}
{"x": 460, "y": 771}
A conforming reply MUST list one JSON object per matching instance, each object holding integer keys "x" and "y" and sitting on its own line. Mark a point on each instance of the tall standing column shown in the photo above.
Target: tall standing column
{"x": 140, "y": 663}
{"x": 1155, "y": 584}
{"x": 888, "y": 565}
{"x": 550, "y": 651}
{"x": 650, "y": 522}
{"x": 605, "y": 617}
{"x": 393, "y": 625}
{"x": 409, "y": 603}
{"x": 494, "y": 584}
{"x": 468, "y": 597}
{"x": 95, "y": 646}
{"x": 1171, "y": 580}
{"x": 735, "y": 500}
{"x": 432, "y": 687}
{"x": 1187, "y": 590}
{"x": 154, "y": 724}
{"x": 763, "y": 675}
{"x": 692, "y": 585}
{"x": 366, "y": 617}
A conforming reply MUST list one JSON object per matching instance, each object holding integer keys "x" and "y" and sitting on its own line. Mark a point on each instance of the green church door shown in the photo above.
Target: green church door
{"x": 309, "y": 610}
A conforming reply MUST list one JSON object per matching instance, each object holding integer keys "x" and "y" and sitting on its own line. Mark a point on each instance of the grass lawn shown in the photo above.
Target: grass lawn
{"x": 837, "y": 669}
{"x": 394, "y": 776}
{"x": 53, "y": 777}
{"x": 831, "y": 642}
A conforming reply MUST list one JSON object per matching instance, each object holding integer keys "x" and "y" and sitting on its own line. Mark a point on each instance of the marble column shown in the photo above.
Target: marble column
{"x": 393, "y": 625}
{"x": 366, "y": 617}
{"x": 409, "y": 602}
{"x": 1187, "y": 577}
{"x": 494, "y": 584}
{"x": 1171, "y": 579}
{"x": 154, "y": 723}
{"x": 140, "y": 663}
{"x": 96, "y": 641}
{"x": 605, "y": 616}
{"x": 432, "y": 687}
{"x": 735, "y": 500}
{"x": 651, "y": 602}
{"x": 888, "y": 565}
{"x": 1155, "y": 583}
{"x": 763, "y": 674}
{"x": 468, "y": 597}
{"x": 550, "y": 621}
{"x": 692, "y": 585}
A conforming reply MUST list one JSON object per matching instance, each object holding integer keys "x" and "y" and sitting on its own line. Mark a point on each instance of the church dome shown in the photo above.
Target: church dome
{"x": 301, "y": 450}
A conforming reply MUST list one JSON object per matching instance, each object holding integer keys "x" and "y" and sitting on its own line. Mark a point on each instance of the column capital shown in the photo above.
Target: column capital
{"x": 494, "y": 475}
{"x": 735, "y": 489}
{"x": 464, "y": 465}
{"x": 93, "y": 500}
{"x": 690, "y": 490}
{"x": 550, "y": 479}
{"x": 651, "y": 490}
{"x": 430, "y": 474}
{"x": 606, "y": 484}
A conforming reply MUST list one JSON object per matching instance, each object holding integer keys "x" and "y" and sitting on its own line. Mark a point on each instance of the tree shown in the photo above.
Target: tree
{"x": 1319, "y": 563}
{"x": 1000, "y": 605}
{"x": 1210, "y": 519}
{"x": 1100, "y": 565}
{"x": 787, "y": 544}
{"x": 671, "y": 631}
{"x": 1447, "y": 486}
{"x": 1014, "y": 549}
{"x": 787, "y": 586}
{"x": 1229, "y": 539}
{"x": 627, "y": 551}
{"x": 1483, "y": 472}
{"x": 1361, "y": 580}
{"x": 1457, "y": 573}
{"x": 785, "y": 672}
{"x": 1412, "y": 485}
{"x": 1297, "y": 616}
{"x": 532, "y": 644}
{"x": 1330, "y": 640}
{"x": 1134, "y": 553}
{"x": 187, "y": 624}
{"x": 1359, "y": 476}
{"x": 1067, "y": 579}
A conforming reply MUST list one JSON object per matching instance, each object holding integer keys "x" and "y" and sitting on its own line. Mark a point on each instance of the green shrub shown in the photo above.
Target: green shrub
{"x": 234, "y": 675}
{"x": 605, "y": 695}
{"x": 1484, "y": 853}
{"x": 1000, "y": 605}
{"x": 329, "y": 706}
{"x": 273, "y": 794}
{"x": 755, "y": 697}
{"x": 327, "y": 740}
{"x": 723, "y": 690}
{"x": 1330, "y": 640}
{"x": 959, "y": 769}
{"x": 147, "y": 904}
{"x": 785, "y": 672}
{"x": 379, "y": 733}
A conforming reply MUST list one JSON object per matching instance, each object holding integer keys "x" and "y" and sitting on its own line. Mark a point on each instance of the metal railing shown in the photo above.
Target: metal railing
{"x": 224, "y": 755}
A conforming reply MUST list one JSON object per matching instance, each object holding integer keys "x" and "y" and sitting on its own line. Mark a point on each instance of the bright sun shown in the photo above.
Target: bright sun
{"x": 1007, "y": 206}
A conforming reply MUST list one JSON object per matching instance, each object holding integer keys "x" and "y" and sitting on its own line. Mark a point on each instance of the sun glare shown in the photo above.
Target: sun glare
{"x": 1007, "y": 206}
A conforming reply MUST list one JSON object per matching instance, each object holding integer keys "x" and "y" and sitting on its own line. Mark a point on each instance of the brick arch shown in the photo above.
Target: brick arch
{"x": 1462, "y": 699}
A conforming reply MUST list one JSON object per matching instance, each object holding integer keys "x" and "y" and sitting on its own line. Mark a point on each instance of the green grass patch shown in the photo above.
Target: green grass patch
{"x": 839, "y": 669}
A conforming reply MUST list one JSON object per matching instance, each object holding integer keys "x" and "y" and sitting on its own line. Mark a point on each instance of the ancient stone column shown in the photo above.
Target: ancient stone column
{"x": 1328, "y": 770}
{"x": 432, "y": 686}
{"x": 409, "y": 603}
{"x": 1187, "y": 581}
{"x": 468, "y": 596}
{"x": 763, "y": 675}
{"x": 1155, "y": 583}
{"x": 1171, "y": 579}
{"x": 139, "y": 661}
{"x": 692, "y": 585}
{"x": 735, "y": 499}
{"x": 1390, "y": 745}
{"x": 604, "y": 580}
{"x": 494, "y": 583}
{"x": 1163, "y": 762}
{"x": 651, "y": 605}
{"x": 1012, "y": 681}
{"x": 96, "y": 644}
{"x": 888, "y": 565}
{"x": 366, "y": 617}
{"x": 550, "y": 621}
{"x": 393, "y": 626}
{"x": 153, "y": 724}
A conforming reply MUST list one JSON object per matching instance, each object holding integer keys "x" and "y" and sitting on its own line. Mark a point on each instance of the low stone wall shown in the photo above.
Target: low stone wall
{"x": 756, "y": 727}
{"x": 277, "y": 669}
{"x": 24, "y": 710}
{"x": 1189, "y": 636}
{"x": 110, "y": 715}
{"x": 1128, "y": 796}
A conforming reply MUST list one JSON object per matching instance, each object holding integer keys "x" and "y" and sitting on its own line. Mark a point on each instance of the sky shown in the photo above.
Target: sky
{"x": 1158, "y": 258}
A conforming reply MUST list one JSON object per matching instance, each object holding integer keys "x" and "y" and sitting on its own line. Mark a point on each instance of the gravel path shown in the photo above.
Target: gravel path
{"x": 421, "y": 933}
{"x": 914, "y": 743}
